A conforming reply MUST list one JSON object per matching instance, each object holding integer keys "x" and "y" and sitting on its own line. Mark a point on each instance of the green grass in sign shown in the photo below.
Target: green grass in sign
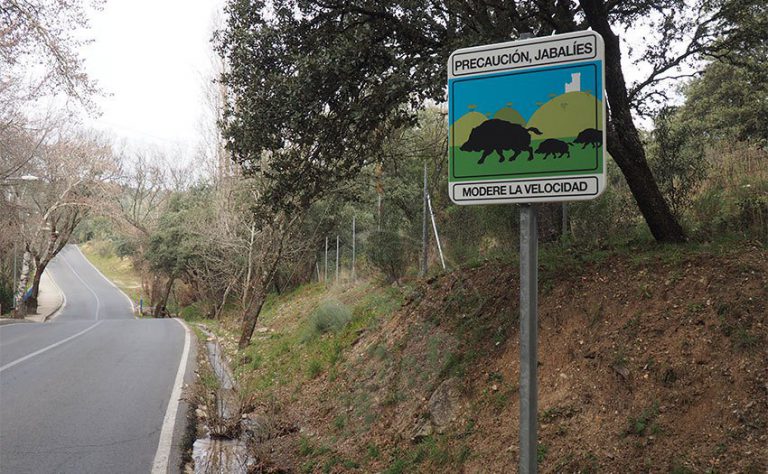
{"x": 581, "y": 161}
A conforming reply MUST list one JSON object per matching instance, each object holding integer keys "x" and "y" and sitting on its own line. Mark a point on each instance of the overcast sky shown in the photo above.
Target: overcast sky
{"x": 151, "y": 57}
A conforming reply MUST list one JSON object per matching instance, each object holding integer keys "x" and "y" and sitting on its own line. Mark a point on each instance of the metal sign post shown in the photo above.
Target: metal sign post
{"x": 529, "y": 283}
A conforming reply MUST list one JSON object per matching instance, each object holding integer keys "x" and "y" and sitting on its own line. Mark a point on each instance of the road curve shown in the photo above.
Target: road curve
{"x": 88, "y": 391}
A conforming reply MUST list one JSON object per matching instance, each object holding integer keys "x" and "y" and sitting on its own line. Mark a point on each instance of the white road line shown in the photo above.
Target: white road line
{"x": 163, "y": 454}
{"x": 44, "y": 349}
{"x": 98, "y": 302}
{"x": 11, "y": 324}
{"x": 130, "y": 301}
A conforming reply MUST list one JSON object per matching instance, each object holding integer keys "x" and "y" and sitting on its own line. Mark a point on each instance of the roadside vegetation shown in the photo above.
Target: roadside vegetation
{"x": 119, "y": 270}
{"x": 422, "y": 377}
{"x": 651, "y": 353}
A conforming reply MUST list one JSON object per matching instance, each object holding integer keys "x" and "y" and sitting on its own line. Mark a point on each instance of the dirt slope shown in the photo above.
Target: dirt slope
{"x": 649, "y": 362}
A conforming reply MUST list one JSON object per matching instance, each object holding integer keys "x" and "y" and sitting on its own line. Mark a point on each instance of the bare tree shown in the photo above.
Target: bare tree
{"x": 40, "y": 36}
{"x": 76, "y": 174}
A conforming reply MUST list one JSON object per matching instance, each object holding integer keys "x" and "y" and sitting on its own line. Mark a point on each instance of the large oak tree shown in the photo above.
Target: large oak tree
{"x": 316, "y": 84}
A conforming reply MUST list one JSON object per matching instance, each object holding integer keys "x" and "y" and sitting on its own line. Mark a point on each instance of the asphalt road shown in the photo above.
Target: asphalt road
{"x": 89, "y": 391}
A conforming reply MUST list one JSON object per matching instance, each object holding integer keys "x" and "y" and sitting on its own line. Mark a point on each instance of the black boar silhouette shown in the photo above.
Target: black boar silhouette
{"x": 554, "y": 147}
{"x": 499, "y": 135}
{"x": 589, "y": 136}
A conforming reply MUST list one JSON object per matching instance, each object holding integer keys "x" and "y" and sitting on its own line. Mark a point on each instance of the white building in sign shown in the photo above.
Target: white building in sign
{"x": 575, "y": 84}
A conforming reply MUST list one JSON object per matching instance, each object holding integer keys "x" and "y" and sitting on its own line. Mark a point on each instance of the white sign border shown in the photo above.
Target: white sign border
{"x": 601, "y": 177}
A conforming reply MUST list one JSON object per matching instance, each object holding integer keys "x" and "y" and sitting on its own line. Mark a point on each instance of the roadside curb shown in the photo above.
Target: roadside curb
{"x": 166, "y": 449}
{"x": 10, "y": 321}
{"x": 62, "y": 299}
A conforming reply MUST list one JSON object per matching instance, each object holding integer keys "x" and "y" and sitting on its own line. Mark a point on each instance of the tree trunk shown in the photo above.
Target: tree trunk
{"x": 220, "y": 306}
{"x": 158, "y": 313}
{"x": 32, "y": 300}
{"x": 249, "y": 271}
{"x": 21, "y": 308}
{"x": 250, "y": 317}
{"x": 624, "y": 141}
{"x": 154, "y": 296}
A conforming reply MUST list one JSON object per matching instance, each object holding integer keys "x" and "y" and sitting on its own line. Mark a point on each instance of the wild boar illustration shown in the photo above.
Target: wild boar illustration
{"x": 499, "y": 135}
{"x": 589, "y": 136}
{"x": 554, "y": 147}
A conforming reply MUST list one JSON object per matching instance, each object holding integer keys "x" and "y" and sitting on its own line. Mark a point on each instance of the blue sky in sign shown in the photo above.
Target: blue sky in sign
{"x": 523, "y": 90}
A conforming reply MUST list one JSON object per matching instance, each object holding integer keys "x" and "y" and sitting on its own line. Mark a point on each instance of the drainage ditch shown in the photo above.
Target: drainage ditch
{"x": 223, "y": 447}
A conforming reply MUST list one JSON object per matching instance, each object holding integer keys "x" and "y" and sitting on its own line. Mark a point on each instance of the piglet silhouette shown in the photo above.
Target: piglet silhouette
{"x": 554, "y": 147}
{"x": 589, "y": 136}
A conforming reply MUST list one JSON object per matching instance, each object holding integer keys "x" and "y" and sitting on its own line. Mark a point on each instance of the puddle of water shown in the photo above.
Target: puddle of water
{"x": 221, "y": 456}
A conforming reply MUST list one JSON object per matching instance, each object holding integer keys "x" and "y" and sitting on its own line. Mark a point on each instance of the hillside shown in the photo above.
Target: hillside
{"x": 459, "y": 131}
{"x": 510, "y": 115}
{"x": 651, "y": 360}
{"x": 566, "y": 115}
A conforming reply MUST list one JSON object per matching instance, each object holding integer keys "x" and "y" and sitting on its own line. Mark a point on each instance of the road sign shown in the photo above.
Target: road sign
{"x": 527, "y": 120}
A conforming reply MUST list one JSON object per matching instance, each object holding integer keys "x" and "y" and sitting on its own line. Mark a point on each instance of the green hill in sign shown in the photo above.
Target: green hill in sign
{"x": 566, "y": 115}
{"x": 510, "y": 115}
{"x": 461, "y": 128}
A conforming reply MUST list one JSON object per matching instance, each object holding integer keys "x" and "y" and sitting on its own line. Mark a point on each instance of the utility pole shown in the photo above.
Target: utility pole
{"x": 15, "y": 272}
{"x": 424, "y": 228}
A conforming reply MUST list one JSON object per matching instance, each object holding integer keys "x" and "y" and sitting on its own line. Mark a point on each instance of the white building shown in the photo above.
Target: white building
{"x": 575, "y": 84}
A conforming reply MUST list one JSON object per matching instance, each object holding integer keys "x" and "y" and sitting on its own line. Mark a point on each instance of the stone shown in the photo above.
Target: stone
{"x": 257, "y": 427}
{"x": 422, "y": 431}
{"x": 444, "y": 403}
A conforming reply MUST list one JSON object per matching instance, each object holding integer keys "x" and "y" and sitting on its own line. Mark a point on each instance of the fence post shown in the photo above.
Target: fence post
{"x": 565, "y": 222}
{"x": 337, "y": 259}
{"x": 353, "y": 248}
{"x": 437, "y": 236}
{"x": 424, "y": 231}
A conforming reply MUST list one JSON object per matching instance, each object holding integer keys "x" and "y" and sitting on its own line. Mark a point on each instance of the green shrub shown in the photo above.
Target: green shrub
{"x": 388, "y": 254}
{"x": 6, "y": 294}
{"x": 330, "y": 316}
{"x": 742, "y": 212}
{"x": 676, "y": 158}
{"x": 104, "y": 248}
{"x": 191, "y": 312}
{"x": 460, "y": 231}
{"x": 472, "y": 232}
{"x": 752, "y": 216}
{"x": 314, "y": 369}
{"x": 639, "y": 424}
{"x": 613, "y": 214}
